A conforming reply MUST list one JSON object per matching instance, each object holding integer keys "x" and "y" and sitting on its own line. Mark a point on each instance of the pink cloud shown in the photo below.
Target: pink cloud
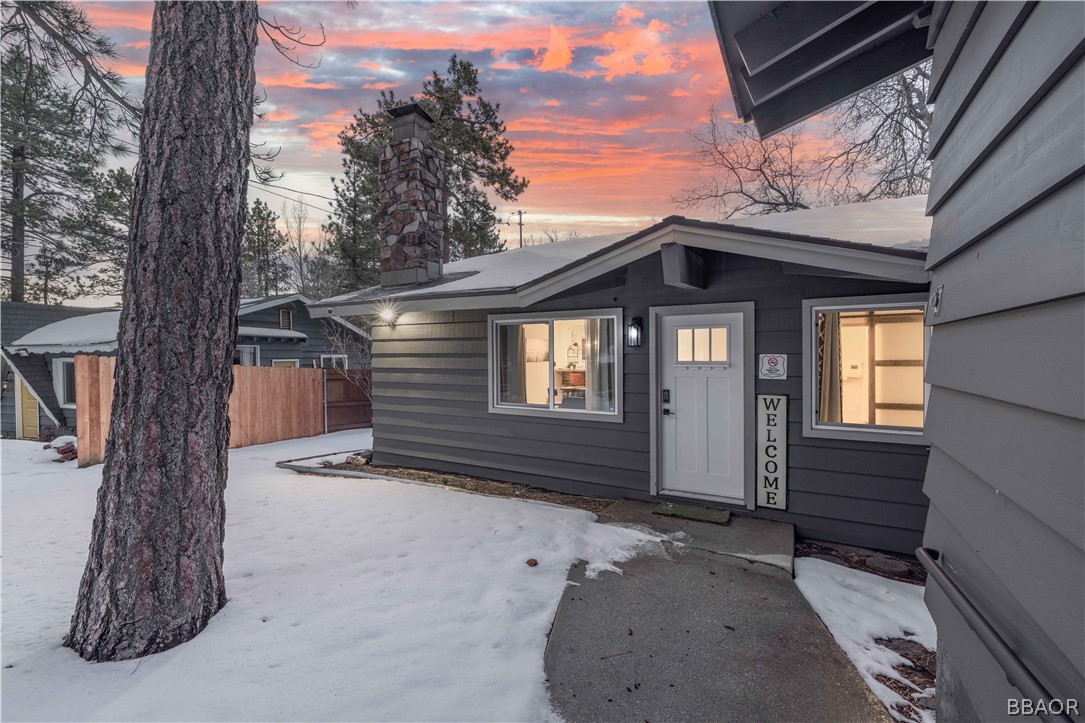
{"x": 558, "y": 54}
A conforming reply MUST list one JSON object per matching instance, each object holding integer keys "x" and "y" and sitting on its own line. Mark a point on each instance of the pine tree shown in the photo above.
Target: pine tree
{"x": 54, "y": 199}
{"x": 62, "y": 115}
{"x": 154, "y": 577}
{"x": 264, "y": 270}
{"x": 470, "y": 132}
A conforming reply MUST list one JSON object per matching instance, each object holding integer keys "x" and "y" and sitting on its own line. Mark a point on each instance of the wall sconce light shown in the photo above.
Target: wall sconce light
{"x": 388, "y": 314}
{"x": 633, "y": 332}
{"x": 8, "y": 379}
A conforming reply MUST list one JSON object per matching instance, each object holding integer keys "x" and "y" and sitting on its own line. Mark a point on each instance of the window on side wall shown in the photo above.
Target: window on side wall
{"x": 566, "y": 364}
{"x": 864, "y": 369}
{"x": 64, "y": 381}
{"x": 247, "y": 355}
{"x": 333, "y": 361}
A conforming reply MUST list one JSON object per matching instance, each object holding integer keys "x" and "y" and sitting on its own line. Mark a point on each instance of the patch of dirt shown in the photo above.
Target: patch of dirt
{"x": 484, "y": 486}
{"x": 922, "y": 673}
{"x": 905, "y": 567}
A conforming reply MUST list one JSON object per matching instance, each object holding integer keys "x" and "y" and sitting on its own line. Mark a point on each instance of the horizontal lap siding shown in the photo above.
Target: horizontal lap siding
{"x": 306, "y": 352}
{"x": 1005, "y": 413}
{"x": 430, "y": 406}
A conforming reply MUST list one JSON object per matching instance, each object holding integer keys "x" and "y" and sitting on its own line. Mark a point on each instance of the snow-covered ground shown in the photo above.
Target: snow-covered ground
{"x": 348, "y": 599}
{"x": 858, "y": 607}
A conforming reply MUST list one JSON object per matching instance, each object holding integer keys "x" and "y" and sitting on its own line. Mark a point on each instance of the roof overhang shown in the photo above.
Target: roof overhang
{"x": 788, "y": 61}
{"x": 88, "y": 348}
{"x": 847, "y": 258}
{"x": 33, "y": 392}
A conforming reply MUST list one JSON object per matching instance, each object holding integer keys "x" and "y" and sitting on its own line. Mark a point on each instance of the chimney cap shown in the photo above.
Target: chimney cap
{"x": 401, "y": 111}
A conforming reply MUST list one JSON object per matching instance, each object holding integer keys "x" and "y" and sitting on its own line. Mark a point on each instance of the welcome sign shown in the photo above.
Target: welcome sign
{"x": 772, "y": 451}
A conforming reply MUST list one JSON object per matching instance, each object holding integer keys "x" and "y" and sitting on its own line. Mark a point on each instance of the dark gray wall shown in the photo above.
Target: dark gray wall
{"x": 1006, "y": 359}
{"x": 430, "y": 406}
{"x": 309, "y": 351}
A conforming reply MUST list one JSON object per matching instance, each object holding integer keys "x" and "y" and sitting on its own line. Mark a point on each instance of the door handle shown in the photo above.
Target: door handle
{"x": 669, "y": 413}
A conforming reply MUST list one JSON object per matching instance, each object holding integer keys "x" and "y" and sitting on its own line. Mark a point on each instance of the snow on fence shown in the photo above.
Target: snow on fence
{"x": 268, "y": 404}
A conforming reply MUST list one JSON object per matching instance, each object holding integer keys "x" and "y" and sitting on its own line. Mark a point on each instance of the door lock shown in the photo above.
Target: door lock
{"x": 669, "y": 413}
{"x": 666, "y": 396}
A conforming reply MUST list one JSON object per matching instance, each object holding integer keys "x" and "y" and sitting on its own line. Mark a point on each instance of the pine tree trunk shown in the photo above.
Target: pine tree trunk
{"x": 18, "y": 220}
{"x": 154, "y": 574}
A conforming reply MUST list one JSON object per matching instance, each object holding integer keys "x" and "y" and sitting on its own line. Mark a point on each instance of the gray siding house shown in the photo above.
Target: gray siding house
{"x": 629, "y": 366}
{"x": 40, "y": 343}
{"x": 1006, "y": 475}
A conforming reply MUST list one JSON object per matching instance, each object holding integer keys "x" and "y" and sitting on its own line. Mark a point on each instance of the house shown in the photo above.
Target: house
{"x": 1006, "y": 527}
{"x": 630, "y": 366}
{"x": 40, "y": 343}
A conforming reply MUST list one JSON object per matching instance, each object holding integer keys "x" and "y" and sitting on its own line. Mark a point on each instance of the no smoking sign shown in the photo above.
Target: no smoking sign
{"x": 772, "y": 366}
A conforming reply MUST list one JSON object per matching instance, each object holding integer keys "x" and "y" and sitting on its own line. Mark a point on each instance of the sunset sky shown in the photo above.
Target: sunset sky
{"x": 598, "y": 97}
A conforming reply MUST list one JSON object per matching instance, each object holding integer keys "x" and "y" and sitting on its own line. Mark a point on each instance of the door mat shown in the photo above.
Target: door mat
{"x": 689, "y": 512}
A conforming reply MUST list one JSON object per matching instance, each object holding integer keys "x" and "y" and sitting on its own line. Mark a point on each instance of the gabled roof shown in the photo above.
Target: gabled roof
{"x": 883, "y": 239}
{"x": 97, "y": 332}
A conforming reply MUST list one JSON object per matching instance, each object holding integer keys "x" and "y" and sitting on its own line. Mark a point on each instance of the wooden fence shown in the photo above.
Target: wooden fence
{"x": 347, "y": 399}
{"x": 268, "y": 404}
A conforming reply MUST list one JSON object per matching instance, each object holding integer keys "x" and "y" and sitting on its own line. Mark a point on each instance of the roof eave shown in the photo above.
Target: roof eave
{"x": 899, "y": 265}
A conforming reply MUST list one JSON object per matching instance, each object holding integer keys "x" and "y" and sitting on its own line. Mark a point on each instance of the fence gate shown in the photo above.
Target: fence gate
{"x": 347, "y": 402}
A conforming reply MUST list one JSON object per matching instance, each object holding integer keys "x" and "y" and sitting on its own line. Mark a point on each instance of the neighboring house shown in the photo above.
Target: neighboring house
{"x": 40, "y": 344}
{"x": 628, "y": 367}
{"x": 1006, "y": 477}
{"x": 28, "y": 402}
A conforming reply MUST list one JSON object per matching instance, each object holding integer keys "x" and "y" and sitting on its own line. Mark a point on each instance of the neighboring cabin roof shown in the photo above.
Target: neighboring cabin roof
{"x": 885, "y": 239}
{"x": 97, "y": 332}
{"x": 19, "y": 319}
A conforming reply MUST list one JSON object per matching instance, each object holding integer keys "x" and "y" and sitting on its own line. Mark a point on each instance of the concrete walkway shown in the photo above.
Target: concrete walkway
{"x": 703, "y": 635}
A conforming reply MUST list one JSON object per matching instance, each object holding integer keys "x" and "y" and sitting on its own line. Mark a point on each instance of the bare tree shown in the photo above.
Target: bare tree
{"x": 749, "y": 175}
{"x": 298, "y": 252}
{"x": 876, "y": 148}
{"x": 154, "y": 574}
{"x": 881, "y": 138}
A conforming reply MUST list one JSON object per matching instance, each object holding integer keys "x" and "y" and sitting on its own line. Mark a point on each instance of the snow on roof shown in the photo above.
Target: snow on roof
{"x": 98, "y": 332}
{"x": 269, "y": 333}
{"x": 511, "y": 268}
{"x": 898, "y": 223}
{"x": 91, "y": 332}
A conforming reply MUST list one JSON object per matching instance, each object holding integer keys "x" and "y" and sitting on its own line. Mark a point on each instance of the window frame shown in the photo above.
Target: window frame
{"x": 344, "y": 357}
{"x": 249, "y": 346}
{"x": 811, "y": 427}
{"x": 289, "y": 318}
{"x": 296, "y": 363}
{"x": 714, "y": 364}
{"x": 492, "y": 322}
{"x": 58, "y": 380}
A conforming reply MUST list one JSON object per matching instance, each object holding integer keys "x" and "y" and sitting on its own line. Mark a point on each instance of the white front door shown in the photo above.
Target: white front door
{"x": 701, "y": 405}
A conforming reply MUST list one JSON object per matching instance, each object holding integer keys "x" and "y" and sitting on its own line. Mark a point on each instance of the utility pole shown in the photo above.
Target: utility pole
{"x": 520, "y": 215}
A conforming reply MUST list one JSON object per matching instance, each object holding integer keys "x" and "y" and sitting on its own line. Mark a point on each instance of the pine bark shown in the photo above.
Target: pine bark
{"x": 154, "y": 574}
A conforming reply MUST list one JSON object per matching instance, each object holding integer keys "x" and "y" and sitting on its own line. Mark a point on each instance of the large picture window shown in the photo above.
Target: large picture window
{"x": 559, "y": 364}
{"x": 866, "y": 369}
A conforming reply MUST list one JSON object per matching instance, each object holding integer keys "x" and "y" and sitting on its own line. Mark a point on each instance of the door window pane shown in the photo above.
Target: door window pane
{"x": 685, "y": 345}
{"x": 702, "y": 345}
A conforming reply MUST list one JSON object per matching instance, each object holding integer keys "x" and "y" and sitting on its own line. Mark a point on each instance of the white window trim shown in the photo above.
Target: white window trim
{"x": 251, "y": 346}
{"x": 290, "y": 318}
{"x": 617, "y": 416}
{"x": 297, "y": 362}
{"x": 811, "y": 427}
{"x": 58, "y": 380}
{"x": 346, "y": 360}
{"x": 713, "y": 364}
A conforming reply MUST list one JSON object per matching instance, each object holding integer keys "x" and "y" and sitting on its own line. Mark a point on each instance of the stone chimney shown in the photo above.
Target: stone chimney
{"x": 412, "y": 184}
